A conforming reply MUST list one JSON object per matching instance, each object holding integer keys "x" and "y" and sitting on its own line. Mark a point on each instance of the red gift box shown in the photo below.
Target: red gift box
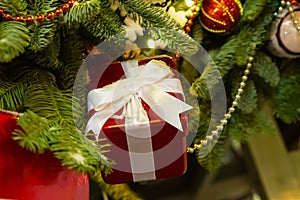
{"x": 140, "y": 152}
{"x": 28, "y": 176}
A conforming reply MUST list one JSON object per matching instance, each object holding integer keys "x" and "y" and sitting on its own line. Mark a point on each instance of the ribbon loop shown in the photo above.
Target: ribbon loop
{"x": 149, "y": 82}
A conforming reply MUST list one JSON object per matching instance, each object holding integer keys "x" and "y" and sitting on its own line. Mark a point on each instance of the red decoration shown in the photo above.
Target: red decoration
{"x": 71, "y": 2}
{"x": 29, "y": 19}
{"x": 168, "y": 143}
{"x": 40, "y": 18}
{"x": 8, "y": 17}
{"x": 58, "y": 11}
{"x": 19, "y": 19}
{"x": 220, "y": 16}
{"x": 28, "y": 176}
{"x": 294, "y": 2}
{"x": 65, "y": 7}
{"x": 190, "y": 23}
{"x": 187, "y": 29}
{"x": 50, "y": 15}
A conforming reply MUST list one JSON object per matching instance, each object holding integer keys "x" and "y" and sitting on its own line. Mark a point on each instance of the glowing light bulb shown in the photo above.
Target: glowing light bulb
{"x": 151, "y": 43}
{"x": 189, "y": 3}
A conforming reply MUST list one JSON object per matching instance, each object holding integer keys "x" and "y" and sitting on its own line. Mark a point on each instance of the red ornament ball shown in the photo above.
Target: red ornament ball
{"x": 285, "y": 38}
{"x": 220, "y": 16}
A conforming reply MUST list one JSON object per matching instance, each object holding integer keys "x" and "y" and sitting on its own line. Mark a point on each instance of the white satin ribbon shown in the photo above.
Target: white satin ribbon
{"x": 149, "y": 82}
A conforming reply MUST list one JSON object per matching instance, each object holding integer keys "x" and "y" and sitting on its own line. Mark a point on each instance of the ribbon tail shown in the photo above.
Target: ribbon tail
{"x": 164, "y": 105}
{"x": 97, "y": 121}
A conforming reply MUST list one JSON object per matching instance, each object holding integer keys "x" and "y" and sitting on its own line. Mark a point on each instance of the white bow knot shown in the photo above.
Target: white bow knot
{"x": 149, "y": 83}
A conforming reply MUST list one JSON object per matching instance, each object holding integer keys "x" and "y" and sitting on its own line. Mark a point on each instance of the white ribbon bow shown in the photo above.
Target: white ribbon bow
{"x": 149, "y": 82}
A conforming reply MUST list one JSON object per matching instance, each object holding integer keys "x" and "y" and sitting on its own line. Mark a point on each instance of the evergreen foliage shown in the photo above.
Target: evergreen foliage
{"x": 40, "y": 61}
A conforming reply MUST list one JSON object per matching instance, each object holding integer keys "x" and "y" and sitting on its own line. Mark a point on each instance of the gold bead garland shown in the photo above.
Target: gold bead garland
{"x": 219, "y": 128}
{"x": 289, "y": 5}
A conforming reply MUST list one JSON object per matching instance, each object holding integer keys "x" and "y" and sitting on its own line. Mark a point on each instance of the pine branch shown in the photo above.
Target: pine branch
{"x": 248, "y": 101}
{"x": 77, "y": 152}
{"x": 14, "y": 38}
{"x": 241, "y": 126}
{"x": 71, "y": 56}
{"x": 265, "y": 68}
{"x": 210, "y": 77}
{"x": 116, "y": 192}
{"x": 49, "y": 57}
{"x": 212, "y": 160}
{"x": 287, "y": 99}
{"x": 14, "y": 7}
{"x": 252, "y": 9}
{"x": 83, "y": 12}
{"x": 12, "y": 95}
{"x": 41, "y": 35}
{"x": 36, "y": 131}
{"x": 164, "y": 28}
{"x": 106, "y": 23}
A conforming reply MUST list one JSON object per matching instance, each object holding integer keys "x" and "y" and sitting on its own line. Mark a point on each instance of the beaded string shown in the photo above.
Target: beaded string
{"x": 289, "y": 4}
{"x": 193, "y": 11}
{"x": 40, "y": 17}
{"x": 219, "y": 128}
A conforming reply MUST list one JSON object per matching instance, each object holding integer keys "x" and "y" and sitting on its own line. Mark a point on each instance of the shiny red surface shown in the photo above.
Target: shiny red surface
{"x": 28, "y": 176}
{"x": 216, "y": 10}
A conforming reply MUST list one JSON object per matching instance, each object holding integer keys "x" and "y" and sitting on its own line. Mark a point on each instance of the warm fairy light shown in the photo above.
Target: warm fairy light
{"x": 151, "y": 43}
{"x": 189, "y": 3}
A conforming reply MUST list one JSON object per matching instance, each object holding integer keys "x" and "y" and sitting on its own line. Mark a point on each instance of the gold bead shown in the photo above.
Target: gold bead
{"x": 250, "y": 59}
{"x": 220, "y": 127}
{"x": 227, "y": 115}
{"x": 295, "y": 21}
{"x": 197, "y": 146}
{"x": 249, "y": 65}
{"x": 280, "y": 9}
{"x": 283, "y": 3}
{"x": 209, "y": 137}
{"x": 244, "y": 78}
{"x": 231, "y": 109}
{"x": 224, "y": 121}
{"x": 247, "y": 71}
{"x": 237, "y": 96}
{"x": 214, "y": 133}
{"x": 242, "y": 84}
{"x": 235, "y": 103}
{"x": 288, "y": 3}
{"x": 190, "y": 150}
{"x": 240, "y": 90}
